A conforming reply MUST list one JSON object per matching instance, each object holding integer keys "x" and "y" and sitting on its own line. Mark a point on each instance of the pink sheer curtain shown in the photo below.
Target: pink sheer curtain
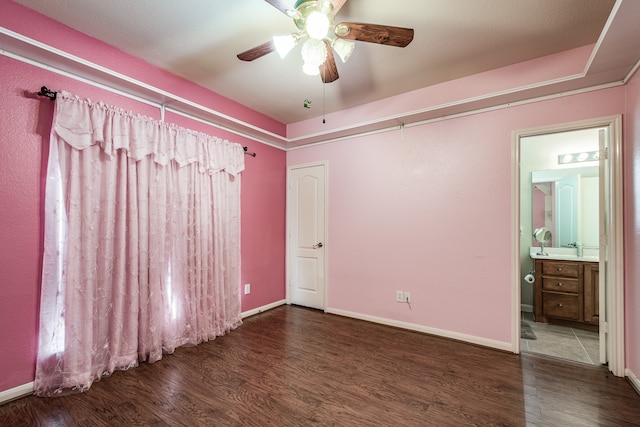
{"x": 142, "y": 243}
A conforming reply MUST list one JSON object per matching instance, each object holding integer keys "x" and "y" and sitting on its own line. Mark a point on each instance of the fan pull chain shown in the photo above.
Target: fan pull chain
{"x": 324, "y": 101}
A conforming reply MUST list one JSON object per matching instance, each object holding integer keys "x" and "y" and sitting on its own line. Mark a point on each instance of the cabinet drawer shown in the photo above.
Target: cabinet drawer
{"x": 560, "y": 284}
{"x": 560, "y": 268}
{"x": 564, "y": 306}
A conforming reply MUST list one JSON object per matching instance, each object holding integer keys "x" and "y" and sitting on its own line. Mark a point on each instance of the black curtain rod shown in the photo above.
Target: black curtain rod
{"x": 52, "y": 96}
{"x": 47, "y": 93}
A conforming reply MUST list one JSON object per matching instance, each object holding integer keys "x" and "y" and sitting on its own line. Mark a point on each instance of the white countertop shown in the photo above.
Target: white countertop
{"x": 565, "y": 254}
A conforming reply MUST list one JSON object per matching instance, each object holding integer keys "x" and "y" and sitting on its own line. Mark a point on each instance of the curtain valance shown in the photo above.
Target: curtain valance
{"x": 82, "y": 123}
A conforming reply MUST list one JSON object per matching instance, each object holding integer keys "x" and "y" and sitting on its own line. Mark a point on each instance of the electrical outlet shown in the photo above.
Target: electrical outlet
{"x": 399, "y": 296}
{"x": 247, "y": 288}
{"x": 407, "y": 297}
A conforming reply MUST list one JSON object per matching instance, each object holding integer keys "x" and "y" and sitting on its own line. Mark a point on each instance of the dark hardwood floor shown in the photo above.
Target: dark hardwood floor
{"x": 293, "y": 366}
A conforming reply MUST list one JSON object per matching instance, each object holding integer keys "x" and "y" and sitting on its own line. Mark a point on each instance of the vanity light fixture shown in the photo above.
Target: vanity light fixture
{"x": 585, "y": 156}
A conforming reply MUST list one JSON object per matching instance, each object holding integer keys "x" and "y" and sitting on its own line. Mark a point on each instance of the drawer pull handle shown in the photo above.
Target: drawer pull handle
{"x": 560, "y": 305}
{"x": 560, "y": 284}
{"x": 559, "y": 268}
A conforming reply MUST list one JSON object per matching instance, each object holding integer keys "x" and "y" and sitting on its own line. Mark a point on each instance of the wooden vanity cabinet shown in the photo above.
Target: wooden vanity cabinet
{"x": 591, "y": 293}
{"x": 566, "y": 292}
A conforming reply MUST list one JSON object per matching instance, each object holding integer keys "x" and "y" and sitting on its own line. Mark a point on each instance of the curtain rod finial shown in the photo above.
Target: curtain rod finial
{"x": 47, "y": 93}
{"x": 246, "y": 151}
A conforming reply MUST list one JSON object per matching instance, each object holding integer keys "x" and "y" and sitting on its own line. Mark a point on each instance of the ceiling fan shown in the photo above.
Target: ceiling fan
{"x": 315, "y": 22}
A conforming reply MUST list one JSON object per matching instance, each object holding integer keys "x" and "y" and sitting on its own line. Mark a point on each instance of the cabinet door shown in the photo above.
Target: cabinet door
{"x": 561, "y": 306}
{"x": 591, "y": 293}
{"x": 561, "y": 269}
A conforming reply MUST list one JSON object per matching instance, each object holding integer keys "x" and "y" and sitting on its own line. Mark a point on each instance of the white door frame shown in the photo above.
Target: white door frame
{"x": 289, "y": 251}
{"x": 615, "y": 261}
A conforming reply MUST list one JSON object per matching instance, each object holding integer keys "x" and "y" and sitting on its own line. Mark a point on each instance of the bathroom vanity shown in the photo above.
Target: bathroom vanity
{"x": 566, "y": 290}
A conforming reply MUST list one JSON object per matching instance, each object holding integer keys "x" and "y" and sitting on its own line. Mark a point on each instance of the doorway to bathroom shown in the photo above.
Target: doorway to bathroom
{"x": 568, "y": 290}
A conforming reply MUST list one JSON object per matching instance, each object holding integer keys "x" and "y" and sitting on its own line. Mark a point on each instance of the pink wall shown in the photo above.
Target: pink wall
{"x": 428, "y": 210}
{"x": 24, "y": 126}
{"x": 631, "y": 155}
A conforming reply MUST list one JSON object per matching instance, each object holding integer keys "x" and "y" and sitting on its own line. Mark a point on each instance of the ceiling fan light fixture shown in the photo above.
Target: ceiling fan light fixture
{"x": 317, "y": 25}
{"x": 284, "y": 44}
{"x": 314, "y": 52}
{"x": 342, "y": 30}
{"x": 314, "y": 19}
{"x": 343, "y": 48}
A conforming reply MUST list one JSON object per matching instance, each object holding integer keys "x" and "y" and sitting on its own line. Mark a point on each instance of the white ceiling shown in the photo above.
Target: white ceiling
{"x": 199, "y": 40}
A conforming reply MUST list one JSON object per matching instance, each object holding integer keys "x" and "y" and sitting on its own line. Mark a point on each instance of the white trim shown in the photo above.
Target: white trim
{"x": 96, "y": 75}
{"x": 30, "y": 51}
{"x": 210, "y": 123}
{"x": 516, "y": 292}
{"x": 527, "y": 308}
{"x": 16, "y": 393}
{"x": 615, "y": 272}
{"x": 262, "y": 309}
{"x": 603, "y": 35}
{"x": 615, "y": 309}
{"x": 440, "y": 108}
{"x": 635, "y": 382}
{"x": 499, "y": 345}
{"x": 347, "y": 137}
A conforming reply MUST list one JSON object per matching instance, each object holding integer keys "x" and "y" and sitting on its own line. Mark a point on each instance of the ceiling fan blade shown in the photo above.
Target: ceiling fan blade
{"x": 337, "y": 5}
{"x": 375, "y": 33}
{"x": 328, "y": 69}
{"x": 257, "y": 51}
{"x": 281, "y": 5}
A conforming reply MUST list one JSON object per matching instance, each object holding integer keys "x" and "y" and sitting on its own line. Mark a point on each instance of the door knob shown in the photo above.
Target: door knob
{"x": 319, "y": 245}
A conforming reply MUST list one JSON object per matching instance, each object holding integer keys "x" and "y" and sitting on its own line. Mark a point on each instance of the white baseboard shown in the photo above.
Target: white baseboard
{"x": 16, "y": 393}
{"x": 499, "y": 345}
{"x": 633, "y": 380}
{"x": 527, "y": 308}
{"x": 27, "y": 389}
{"x": 263, "y": 308}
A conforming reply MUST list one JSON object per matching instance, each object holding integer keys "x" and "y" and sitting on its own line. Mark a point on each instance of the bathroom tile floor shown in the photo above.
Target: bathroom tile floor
{"x": 568, "y": 343}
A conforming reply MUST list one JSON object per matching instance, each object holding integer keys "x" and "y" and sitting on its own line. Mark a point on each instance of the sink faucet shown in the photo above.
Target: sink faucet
{"x": 579, "y": 248}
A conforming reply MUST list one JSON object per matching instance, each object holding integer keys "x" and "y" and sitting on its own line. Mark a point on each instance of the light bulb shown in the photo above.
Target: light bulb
{"x": 310, "y": 70}
{"x": 343, "y": 48}
{"x": 284, "y": 44}
{"x": 314, "y": 52}
{"x": 317, "y": 25}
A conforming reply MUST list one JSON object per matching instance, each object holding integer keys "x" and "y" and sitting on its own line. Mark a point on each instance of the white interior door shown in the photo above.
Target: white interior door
{"x": 604, "y": 215}
{"x": 306, "y": 216}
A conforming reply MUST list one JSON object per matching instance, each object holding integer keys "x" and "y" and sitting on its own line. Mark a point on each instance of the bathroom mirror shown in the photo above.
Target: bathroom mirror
{"x": 566, "y": 202}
